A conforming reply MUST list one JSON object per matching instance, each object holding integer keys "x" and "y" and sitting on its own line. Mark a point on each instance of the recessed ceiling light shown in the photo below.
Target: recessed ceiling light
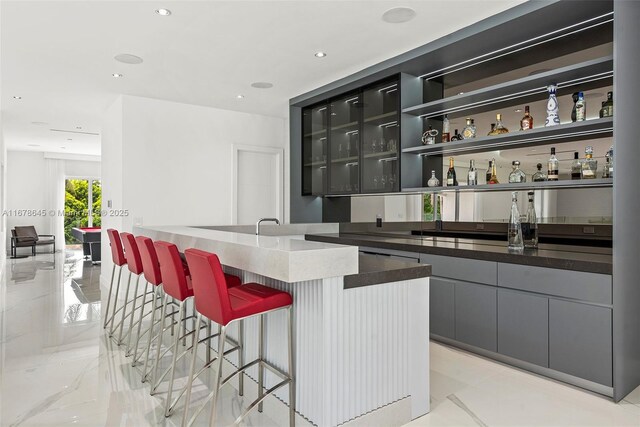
{"x": 460, "y": 93}
{"x": 320, "y": 54}
{"x": 239, "y": 96}
{"x": 163, "y": 12}
{"x": 78, "y": 127}
{"x": 262, "y": 85}
{"x": 40, "y": 123}
{"x": 518, "y": 110}
{"x": 17, "y": 97}
{"x": 128, "y": 58}
{"x": 117, "y": 75}
{"x": 69, "y": 139}
{"x": 398, "y": 15}
{"x": 64, "y": 148}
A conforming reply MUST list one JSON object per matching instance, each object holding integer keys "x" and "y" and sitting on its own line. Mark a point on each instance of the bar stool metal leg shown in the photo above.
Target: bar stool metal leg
{"x": 114, "y": 306}
{"x": 241, "y": 357}
{"x": 182, "y": 315}
{"x": 124, "y": 309}
{"x": 292, "y": 381}
{"x": 216, "y": 387}
{"x": 106, "y": 311}
{"x": 154, "y": 377}
{"x": 192, "y": 371}
{"x": 260, "y": 356}
{"x": 150, "y": 338}
{"x": 137, "y": 341}
{"x": 133, "y": 315}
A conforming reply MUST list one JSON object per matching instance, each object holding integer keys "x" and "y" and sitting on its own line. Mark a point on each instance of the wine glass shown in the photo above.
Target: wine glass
{"x": 392, "y": 180}
{"x": 375, "y": 182}
{"x": 374, "y": 146}
{"x": 383, "y": 181}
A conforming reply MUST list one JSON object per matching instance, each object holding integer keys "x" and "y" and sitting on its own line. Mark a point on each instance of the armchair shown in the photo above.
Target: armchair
{"x": 26, "y": 236}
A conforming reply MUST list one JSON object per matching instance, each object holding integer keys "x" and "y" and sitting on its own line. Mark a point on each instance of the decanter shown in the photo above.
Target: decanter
{"x": 499, "y": 129}
{"x": 470, "y": 130}
{"x": 553, "y": 117}
{"x": 516, "y": 174}
{"x": 539, "y": 175}
{"x": 589, "y": 164}
{"x": 515, "y": 230}
{"x": 433, "y": 181}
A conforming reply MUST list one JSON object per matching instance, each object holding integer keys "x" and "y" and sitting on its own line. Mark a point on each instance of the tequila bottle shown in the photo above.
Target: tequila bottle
{"x": 530, "y": 225}
{"x": 488, "y": 174}
{"x": 516, "y": 174}
{"x": 446, "y": 133}
{"x": 581, "y": 108}
{"x": 526, "y": 122}
{"x": 451, "y": 174}
{"x": 589, "y": 164}
{"x": 553, "y": 118}
{"x": 433, "y": 181}
{"x": 576, "y": 167}
{"x": 515, "y": 230}
{"x": 539, "y": 175}
{"x": 472, "y": 175}
{"x": 499, "y": 129}
{"x": 470, "y": 130}
{"x": 494, "y": 173}
{"x": 552, "y": 166}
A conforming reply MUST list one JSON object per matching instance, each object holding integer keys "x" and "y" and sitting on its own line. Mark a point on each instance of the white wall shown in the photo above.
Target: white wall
{"x": 26, "y": 187}
{"x": 171, "y": 163}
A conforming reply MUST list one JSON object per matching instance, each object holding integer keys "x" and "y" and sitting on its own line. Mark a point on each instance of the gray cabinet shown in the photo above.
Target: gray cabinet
{"x": 580, "y": 340}
{"x": 469, "y": 270}
{"x": 476, "y": 315}
{"x": 442, "y": 307}
{"x": 523, "y": 327}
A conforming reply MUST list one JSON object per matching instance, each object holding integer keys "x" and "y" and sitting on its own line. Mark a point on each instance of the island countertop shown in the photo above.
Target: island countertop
{"x": 565, "y": 257}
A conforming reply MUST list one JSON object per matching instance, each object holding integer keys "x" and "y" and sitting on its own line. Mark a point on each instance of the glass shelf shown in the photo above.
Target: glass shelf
{"x": 552, "y": 185}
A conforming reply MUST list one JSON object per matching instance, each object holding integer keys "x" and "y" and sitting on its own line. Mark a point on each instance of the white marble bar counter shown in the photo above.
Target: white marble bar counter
{"x": 289, "y": 258}
{"x": 361, "y": 332}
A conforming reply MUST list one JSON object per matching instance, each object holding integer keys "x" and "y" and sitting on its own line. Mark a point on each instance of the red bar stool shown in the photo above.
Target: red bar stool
{"x": 117, "y": 255}
{"x": 151, "y": 272}
{"x": 177, "y": 285}
{"x": 215, "y": 301}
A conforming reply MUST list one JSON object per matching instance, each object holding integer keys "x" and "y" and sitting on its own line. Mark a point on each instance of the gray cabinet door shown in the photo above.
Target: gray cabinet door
{"x": 476, "y": 315}
{"x": 580, "y": 340}
{"x": 523, "y": 327}
{"x": 441, "y": 307}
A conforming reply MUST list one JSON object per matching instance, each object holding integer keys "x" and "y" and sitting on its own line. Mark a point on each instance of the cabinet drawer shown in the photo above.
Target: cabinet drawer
{"x": 469, "y": 270}
{"x": 476, "y": 315}
{"x": 407, "y": 256}
{"x": 591, "y": 287}
{"x": 442, "y": 307}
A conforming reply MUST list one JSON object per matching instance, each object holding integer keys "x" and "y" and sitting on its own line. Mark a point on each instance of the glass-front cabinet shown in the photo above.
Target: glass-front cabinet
{"x": 344, "y": 139}
{"x": 314, "y": 149}
{"x": 351, "y": 143}
{"x": 380, "y": 138}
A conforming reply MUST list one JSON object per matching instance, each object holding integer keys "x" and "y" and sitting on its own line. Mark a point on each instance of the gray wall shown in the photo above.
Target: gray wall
{"x": 626, "y": 200}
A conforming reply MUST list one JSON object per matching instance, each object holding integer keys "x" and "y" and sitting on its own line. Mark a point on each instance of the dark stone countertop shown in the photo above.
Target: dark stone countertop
{"x": 565, "y": 257}
{"x": 374, "y": 270}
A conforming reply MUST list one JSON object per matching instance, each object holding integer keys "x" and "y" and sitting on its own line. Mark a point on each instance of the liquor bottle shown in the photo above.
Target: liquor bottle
{"x": 552, "y": 166}
{"x": 576, "y": 166}
{"x": 539, "y": 175}
{"x": 581, "y": 108}
{"x": 469, "y": 131}
{"x": 609, "y": 105}
{"x": 499, "y": 129}
{"x": 451, "y": 174}
{"x": 589, "y": 164}
{"x": 515, "y": 230}
{"x": 493, "y": 128}
{"x": 494, "y": 173}
{"x": 608, "y": 172}
{"x": 553, "y": 118}
{"x": 516, "y": 174}
{"x": 574, "y": 97}
{"x": 488, "y": 174}
{"x": 446, "y": 133}
{"x": 472, "y": 175}
{"x": 433, "y": 181}
{"x": 429, "y": 137}
{"x": 603, "y": 110}
{"x": 526, "y": 122}
{"x": 530, "y": 225}
{"x": 456, "y": 136}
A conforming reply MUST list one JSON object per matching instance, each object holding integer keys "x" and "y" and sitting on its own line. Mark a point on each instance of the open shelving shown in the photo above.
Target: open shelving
{"x": 577, "y": 131}
{"x": 521, "y": 186}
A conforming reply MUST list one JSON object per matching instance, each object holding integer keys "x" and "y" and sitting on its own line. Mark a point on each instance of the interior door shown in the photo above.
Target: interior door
{"x": 259, "y": 185}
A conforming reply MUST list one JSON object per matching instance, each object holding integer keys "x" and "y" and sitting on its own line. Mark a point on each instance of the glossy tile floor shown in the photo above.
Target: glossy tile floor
{"x": 57, "y": 368}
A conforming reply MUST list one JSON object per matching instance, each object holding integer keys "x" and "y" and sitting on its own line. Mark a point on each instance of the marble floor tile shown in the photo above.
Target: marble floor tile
{"x": 57, "y": 367}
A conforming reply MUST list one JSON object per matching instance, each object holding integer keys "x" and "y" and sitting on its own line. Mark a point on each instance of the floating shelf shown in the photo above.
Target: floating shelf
{"x": 382, "y": 118}
{"x": 319, "y": 163}
{"x": 590, "y": 129}
{"x": 543, "y": 185}
{"x": 588, "y": 74}
{"x": 351, "y": 159}
{"x": 383, "y": 154}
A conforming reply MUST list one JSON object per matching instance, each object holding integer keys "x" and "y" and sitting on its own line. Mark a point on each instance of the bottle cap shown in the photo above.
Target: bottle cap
{"x": 553, "y": 150}
{"x": 575, "y": 155}
{"x": 530, "y": 193}
{"x": 580, "y": 95}
{"x": 539, "y": 166}
{"x": 499, "y": 117}
{"x": 516, "y": 163}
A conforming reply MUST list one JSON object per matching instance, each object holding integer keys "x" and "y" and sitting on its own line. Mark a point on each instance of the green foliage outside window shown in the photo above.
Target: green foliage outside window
{"x": 76, "y": 206}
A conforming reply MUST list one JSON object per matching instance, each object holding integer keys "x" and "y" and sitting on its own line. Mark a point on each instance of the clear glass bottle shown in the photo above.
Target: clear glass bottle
{"x": 574, "y": 97}
{"x": 553, "y": 116}
{"x": 609, "y": 157}
{"x": 552, "y": 166}
{"x": 515, "y": 230}
{"x": 603, "y": 110}
{"x": 581, "y": 108}
{"x": 451, "y": 174}
{"x": 608, "y": 105}
{"x": 446, "y": 132}
{"x": 539, "y": 176}
{"x": 499, "y": 129}
{"x": 516, "y": 174}
{"x": 470, "y": 130}
{"x": 526, "y": 122}
{"x": 472, "y": 175}
{"x": 530, "y": 225}
{"x": 576, "y": 166}
{"x": 488, "y": 174}
{"x": 433, "y": 181}
{"x": 589, "y": 164}
{"x": 494, "y": 173}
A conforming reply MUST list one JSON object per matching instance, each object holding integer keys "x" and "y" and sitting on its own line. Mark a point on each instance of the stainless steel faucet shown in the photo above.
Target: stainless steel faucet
{"x": 263, "y": 220}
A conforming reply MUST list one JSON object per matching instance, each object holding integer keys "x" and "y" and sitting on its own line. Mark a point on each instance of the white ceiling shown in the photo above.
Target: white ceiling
{"x": 58, "y": 55}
